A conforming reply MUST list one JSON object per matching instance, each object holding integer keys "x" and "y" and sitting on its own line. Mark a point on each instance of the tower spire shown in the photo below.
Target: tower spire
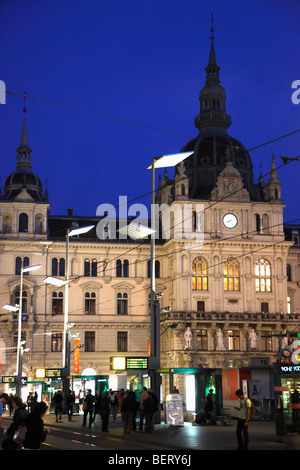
{"x": 24, "y": 151}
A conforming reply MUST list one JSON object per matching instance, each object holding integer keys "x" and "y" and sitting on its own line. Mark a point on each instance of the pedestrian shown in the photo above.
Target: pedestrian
{"x": 149, "y": 409}
{"x": 10, "y": 405}
{"x": 105, "y": 410}
{"x": 155, "y": 399}
{"x": 114, "y": 406}
{"x": 88, "y": 407}
{"x": 70, "y": 404}
{"x": 3, "y": 401}
{"x": 58, "y": 399}
{"x": 128, "y": 410}
{"x": 20, "y": 414}
{"x": 142, "y": 398}
{"x": 28, "y": 401}
{"x": 243, "y": 420}
{"x": 97, "y": 408}
{"x": 36, "y": 434}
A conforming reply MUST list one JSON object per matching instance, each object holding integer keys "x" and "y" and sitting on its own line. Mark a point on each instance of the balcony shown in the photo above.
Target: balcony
{"x": 188, "y": 316}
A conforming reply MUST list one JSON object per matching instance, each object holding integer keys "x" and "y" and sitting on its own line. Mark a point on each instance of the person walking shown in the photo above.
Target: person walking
{"x": 57, "y": 400}
{"x": 149, "y": 409}
{"x": 243, "y": 420}
{"x": 143, "y": 395}
{"x": 36, "y": 434}
{"x": 114, "y": 406}
{"x": 128, "y": 410}
{"x": 19, "y": 414}
{"x": 97, "y": 408}
{"x": 105, "y": 410}
{"x": 3, "y": 401}
{"x": 70, "y": 404}
{"x": 88, "y": 407}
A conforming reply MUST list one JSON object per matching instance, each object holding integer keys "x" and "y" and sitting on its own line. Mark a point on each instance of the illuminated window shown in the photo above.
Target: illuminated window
{"x": 263, "y": 276}
{"x": 231, "y": 275}
{"x": 233, "y": 340}
{"x": 199, "y": 274}
{"x": 202, "y": 342}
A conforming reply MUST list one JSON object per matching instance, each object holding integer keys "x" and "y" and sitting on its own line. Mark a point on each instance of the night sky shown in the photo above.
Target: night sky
{"x": 116, "y": 82}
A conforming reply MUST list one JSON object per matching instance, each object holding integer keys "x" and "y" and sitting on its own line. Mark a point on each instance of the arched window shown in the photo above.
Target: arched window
{"x": 21, "y": 263}
{"x": 122, "y": 304}
{"x": 231, "y": 275}
{"x": 122, "y": 268}
{"x": 24, "y": 300}
{"x": 199, "y": 274}
{"x": 58, "y": 267}
{"x": 57, "y": 303}
{"x": 90, "y": 267}
{"x": 263, "y": 276}
{"x": 90, "y": 303}
{"x": 157, "y": 269}
{"x": 23, "y": 222}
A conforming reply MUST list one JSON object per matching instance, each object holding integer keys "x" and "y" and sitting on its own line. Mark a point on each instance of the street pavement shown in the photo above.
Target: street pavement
{"x": 187, "y": 438}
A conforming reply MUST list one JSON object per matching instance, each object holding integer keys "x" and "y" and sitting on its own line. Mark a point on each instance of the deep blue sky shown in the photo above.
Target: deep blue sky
{"x": 142, "y": 62}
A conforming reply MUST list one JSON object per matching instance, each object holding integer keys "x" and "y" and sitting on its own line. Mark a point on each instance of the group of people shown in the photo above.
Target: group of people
{"x": 126, "y": 403}
{"x": 32, "y": 420}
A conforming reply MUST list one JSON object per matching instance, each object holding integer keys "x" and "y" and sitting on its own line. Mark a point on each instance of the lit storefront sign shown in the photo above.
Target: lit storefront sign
{"x": 76, "y": 356}
{"x": 123, "y": 363}
{"x": 47, "y": 373}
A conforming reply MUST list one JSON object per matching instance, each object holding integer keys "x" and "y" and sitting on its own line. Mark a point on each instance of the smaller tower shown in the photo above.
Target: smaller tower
{"x": 274, "y": 186}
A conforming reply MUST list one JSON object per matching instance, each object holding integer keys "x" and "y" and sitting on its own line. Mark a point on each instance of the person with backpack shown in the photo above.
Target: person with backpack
{"x": 243, "y": 420}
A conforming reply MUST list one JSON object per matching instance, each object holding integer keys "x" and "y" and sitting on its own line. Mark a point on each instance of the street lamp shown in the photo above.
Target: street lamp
{"x": 20, "y": 343}
{"x": 71, "y": 232}
{"x": 154, "y": 360}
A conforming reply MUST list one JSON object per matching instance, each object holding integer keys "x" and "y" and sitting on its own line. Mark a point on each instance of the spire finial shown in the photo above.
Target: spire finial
{"x": 212, "y": 29}
{"x": 24, "y": 109}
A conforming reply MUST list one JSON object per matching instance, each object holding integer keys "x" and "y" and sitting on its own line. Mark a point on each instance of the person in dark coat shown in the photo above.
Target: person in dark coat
{"x": 70, "y": 404}
{"x": 149, "y": 410}
{"x": 58, "y": 399}
{"x": 20, "y": 414}
{"x": 36, "y": 434}
{"x": 128, "y": 410}
{"x": 88, "y": 408}
{"x": 105, "y": 410}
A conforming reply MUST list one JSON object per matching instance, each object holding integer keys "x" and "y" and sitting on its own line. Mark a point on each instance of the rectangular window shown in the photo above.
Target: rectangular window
{"x": 266, "y": 340}
{"x": 89, "y": 343}
{"x": 234, "y": 340}
{"x": 90, "y": 303}
{"x": 56, "y": 342}
{"x": 200, "y": 306}
{"x": 122, "y": 341}
{"x": 264, "y": 307}
{"x": 202, "y": 340}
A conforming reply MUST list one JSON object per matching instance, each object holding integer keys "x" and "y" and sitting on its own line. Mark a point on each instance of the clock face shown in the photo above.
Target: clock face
{"x": 230, "y": 220}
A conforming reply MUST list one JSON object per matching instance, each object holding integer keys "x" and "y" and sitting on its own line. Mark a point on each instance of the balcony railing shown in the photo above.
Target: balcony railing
{"x": 230, "y": 316}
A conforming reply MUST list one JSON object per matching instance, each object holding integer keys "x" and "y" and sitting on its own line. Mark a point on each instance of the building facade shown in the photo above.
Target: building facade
{"x": 230, "y": 279}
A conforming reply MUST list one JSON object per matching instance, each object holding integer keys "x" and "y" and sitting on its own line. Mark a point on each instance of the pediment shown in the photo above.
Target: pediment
{"x": 230, "y": 185}
{"x": 24, "y": 196}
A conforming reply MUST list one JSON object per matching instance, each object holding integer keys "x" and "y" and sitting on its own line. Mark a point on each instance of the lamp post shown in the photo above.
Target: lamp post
{"x": 154, "y": 360}
{"x": 20, "y": 343}
{"x": 71, "y": 232}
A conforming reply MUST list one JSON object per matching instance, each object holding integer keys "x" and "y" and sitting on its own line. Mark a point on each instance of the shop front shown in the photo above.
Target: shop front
{"x": 193, "y": 385}
{"x": 287, "y": 397}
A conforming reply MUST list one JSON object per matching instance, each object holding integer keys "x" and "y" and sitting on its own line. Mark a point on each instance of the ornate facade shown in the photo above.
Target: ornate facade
{"x": 233, "y": 296}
